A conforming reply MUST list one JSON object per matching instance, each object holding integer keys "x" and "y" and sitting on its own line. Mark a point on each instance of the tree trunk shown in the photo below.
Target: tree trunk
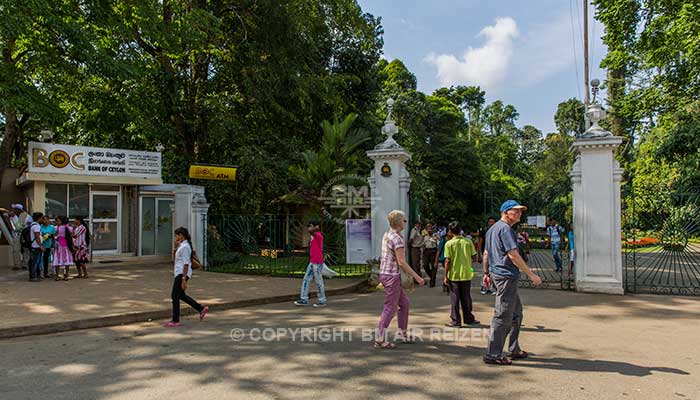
{"x": 616, "y": 93}
{"x": 8, "y": 142}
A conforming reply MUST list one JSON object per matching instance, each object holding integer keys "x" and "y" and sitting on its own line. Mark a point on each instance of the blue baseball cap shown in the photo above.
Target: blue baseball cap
{"x": 511, "y": 204}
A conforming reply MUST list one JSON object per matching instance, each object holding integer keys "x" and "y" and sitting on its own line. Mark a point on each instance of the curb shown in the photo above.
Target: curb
{"x": 147, "y": 316}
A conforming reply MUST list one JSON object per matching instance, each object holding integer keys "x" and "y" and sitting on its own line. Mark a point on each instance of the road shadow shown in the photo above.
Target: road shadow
{"x": 581, "y": 365}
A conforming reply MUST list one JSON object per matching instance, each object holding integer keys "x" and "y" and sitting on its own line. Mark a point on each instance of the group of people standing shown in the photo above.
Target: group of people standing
{"x": 44, "y": 247}
{"x": 502, "y": 264}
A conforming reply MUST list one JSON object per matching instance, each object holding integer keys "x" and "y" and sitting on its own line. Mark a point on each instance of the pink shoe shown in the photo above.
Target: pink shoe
{"x": 172, "y": 324}
{"x": 204, "y": 313}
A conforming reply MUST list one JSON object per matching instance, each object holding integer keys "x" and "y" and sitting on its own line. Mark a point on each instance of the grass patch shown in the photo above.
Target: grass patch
{"x": 283, "y": 266}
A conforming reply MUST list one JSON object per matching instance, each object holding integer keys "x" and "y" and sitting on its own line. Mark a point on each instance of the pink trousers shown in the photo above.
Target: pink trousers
{"x": 394, "y": 298}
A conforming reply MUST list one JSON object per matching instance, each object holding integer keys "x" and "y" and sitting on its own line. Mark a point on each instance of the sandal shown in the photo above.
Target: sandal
{"x": 519, "y": 355}
{"x": 384, "y": 345}
{"x": 498, "y": 361}
{"x": 405, "y": 339}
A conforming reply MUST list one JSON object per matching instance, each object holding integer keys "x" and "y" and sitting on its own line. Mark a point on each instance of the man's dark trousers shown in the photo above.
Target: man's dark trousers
{"x": 460, "y": 294}
{"x": 507, "y": 317}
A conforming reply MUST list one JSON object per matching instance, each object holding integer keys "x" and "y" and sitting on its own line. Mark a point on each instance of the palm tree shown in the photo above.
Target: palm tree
{"x": 338, "y": 158}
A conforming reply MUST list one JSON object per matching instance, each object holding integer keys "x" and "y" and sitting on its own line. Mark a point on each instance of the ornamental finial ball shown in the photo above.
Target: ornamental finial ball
{"x": 390, "y": 102}
{"x": 595, "y": 83}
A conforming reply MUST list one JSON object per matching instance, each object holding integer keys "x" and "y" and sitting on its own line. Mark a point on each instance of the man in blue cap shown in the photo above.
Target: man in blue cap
{"x": 502, "y": 267}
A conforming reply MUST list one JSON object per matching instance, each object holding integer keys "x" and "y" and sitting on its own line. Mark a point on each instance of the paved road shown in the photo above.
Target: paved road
{"x": 584, "y": 347}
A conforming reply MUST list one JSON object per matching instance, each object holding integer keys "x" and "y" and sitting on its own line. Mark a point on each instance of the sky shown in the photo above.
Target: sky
{"x": 522, "y": 52}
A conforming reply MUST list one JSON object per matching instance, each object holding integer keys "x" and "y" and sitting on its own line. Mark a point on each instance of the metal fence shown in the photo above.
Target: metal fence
{"x": 661, "y": 241}
{"x": 275, "y": 245}
{"x": 540, "y": 259}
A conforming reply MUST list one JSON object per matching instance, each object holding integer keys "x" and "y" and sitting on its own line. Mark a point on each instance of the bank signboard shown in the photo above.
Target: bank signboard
{"x": 49, "y": 158}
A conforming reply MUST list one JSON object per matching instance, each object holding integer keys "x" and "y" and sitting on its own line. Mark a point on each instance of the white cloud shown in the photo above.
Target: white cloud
{"x": 486, "y": 66}
{"x": 544, "y": 51}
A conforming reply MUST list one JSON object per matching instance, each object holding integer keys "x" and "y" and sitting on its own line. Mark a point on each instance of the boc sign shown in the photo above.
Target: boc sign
{"x": 96, "y": 161}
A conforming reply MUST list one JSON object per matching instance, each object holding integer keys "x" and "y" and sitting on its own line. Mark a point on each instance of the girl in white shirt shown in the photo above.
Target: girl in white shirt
{"x": 183, "y": 268}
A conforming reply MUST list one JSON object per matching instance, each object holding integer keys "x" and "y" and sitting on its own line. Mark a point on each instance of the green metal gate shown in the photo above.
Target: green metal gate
{"x": 661, "y": 241}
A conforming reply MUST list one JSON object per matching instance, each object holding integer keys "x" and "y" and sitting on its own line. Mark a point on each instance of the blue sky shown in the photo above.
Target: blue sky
{"x": 519, "y": 51}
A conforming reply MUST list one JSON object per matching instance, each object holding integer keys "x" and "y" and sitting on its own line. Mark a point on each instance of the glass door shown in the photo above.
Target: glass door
{"x": 156, "y": 226}
{"x": 105, "y": 218}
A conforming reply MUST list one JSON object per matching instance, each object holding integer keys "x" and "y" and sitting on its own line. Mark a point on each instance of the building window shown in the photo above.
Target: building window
{"x": 79, "y": 201}
{"x": 56, "y": 199}
{"x": 67, "y": 200}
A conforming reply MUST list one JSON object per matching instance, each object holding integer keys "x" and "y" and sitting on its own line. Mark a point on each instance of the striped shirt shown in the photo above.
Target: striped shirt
{"x": 389, "y": 265}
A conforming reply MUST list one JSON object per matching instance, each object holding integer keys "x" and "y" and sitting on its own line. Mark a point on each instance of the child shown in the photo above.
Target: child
{"x": 313, "y": 270}
{"x": 62, "y": 256}
{"x": 81, "y": 241}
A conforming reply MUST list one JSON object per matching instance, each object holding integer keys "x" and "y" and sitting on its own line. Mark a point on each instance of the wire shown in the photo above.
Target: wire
{"x": 573, "y": 39}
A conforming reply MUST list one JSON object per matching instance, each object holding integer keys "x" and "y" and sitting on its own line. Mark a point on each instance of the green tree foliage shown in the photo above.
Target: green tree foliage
{"x": 339, "y": 155}
{"x": 569, "y": 117}
{"x": 653, "y": 63}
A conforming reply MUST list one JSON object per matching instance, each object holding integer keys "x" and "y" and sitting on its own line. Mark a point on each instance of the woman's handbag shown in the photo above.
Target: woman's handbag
{"x": 196, "y": 264}
{"x": 407, "y": 282}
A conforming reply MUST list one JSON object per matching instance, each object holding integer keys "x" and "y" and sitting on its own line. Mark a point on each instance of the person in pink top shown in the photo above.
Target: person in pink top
{"x": 313, "y": 270}
{"x": 81, "y": 242}
{"x": 395, "y": 299}
{"x": 63, "y": 255}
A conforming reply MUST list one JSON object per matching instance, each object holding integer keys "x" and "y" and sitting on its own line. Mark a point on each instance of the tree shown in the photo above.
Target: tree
{"x": 569, "y": 117}
{"x": 37, "y": 39}
{"x": 500, "y": 119}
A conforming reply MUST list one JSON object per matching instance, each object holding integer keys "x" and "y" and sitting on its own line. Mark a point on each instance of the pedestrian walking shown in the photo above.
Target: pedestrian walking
{"x": 415, "y": 244}
{"x": 182, "y": 270}
{"x": 392, "y": 262}
{"x": 430, "y": 245}
{"x": 313, "y": 270}
{"x": 572, "y": 254}
{"x": 48, "y": 233}
{"x": 440, "y": 257}
{"x": 18, "y": 220}
{"x": 502, "y": 267}
{"x": 36, "y": 247}
{"x": 459, "y": 255}
{"x": 63, "y": 253}
{"x": 555, "y": 232}
{"x": 81, "y": 243}
{"x": 491, "y": 222}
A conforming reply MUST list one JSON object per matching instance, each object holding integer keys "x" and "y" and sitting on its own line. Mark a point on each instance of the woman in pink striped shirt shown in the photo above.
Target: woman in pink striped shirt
{"x": 395, "y": 299}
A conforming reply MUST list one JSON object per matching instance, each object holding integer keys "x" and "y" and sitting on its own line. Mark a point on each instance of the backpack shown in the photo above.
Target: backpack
{"x": 25, "y": 238}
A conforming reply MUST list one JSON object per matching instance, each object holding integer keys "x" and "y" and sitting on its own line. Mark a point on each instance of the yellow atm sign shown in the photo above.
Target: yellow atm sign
{"x": 213, "y": 173}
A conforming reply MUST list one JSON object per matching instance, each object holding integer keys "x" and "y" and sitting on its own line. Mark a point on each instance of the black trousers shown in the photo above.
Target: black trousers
{"x": 429, "y": 264}
{"x": 47, "y": 261}
{"x": 179, "y": 294}
{"x": 460, "y": 295}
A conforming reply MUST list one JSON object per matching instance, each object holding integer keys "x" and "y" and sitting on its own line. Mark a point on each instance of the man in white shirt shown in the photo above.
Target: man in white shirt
{"x": 36, "y": 248}
{"x": 415, "y": 243}
{"x": 18, "y": 218}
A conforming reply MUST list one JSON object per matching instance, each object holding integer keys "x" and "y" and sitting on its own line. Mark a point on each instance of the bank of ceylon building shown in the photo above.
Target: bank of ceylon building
{"x": 119, "y": 192}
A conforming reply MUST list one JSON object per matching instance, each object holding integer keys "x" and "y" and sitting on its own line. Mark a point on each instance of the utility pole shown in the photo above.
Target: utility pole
{"x": 586, "y": 77}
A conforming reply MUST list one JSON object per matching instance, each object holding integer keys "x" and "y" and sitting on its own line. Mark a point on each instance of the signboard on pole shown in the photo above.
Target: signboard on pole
{"x": 211, "y": 172}
{"x": 358, "y": 241}
{"x": 539, "y": 221}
